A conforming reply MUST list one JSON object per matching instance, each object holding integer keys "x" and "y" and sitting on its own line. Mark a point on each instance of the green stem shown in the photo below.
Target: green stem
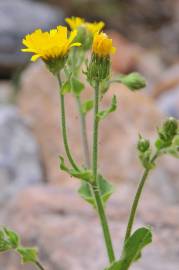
{"x": 84, "y": 134}
{"x": 39, "y": 265}
{"x": 95, "y": 185}
{"x": 136, "y": 200}
{"x": 64, "y": 130}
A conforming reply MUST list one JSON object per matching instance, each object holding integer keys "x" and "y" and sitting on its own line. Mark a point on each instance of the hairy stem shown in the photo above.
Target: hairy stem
{"x": 136, "y": 200}
{"x": 95, "y": 185}
{"x": 64, "y": 130}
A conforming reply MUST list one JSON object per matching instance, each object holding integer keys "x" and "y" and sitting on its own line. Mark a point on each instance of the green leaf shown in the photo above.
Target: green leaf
{"x": 28, "y": 255}
{"x": 176, "y": 141}
{"x": 13, "y": 238}
{"x": 82, "y": 174}
{"x": 66, "y": 87}
{"x": 172, "y": 150}
{"x": 76, "y": 86}
{"x": 132, "y": 249}
{"x": 8, "y": 240}
{"x": 4, "y": 243}
{"x": 106, "y": 190}
{"x": 87, "y": 106}
{"x": 112, "y": 108}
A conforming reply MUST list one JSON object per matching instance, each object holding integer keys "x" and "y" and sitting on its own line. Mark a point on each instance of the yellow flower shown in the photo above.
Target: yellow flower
{"x": 49, "y": 45}
{"x": 95, "y": 27}
{"x": 76, "y": 22}
{"x": 102, "y": 45}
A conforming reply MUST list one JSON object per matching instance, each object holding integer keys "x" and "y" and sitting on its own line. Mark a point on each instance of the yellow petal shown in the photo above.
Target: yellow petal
{"x": 35, "y": 57}
{"x": 72, "y": 36}
{"x": 75, "y": 44}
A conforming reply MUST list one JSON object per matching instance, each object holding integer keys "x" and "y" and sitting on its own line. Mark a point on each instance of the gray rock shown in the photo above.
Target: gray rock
{"x": 169, "y": 102}
{"x": 19, "y": 160}
{"x": 17, "y": 18}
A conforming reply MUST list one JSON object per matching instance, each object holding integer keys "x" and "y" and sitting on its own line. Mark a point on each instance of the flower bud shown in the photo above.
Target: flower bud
{"x": 170, "y": 127}
{"x": 133, "y": 81}
{"x": 143, "y": 144}
{"x": 167, "y": 133}
{"x": 98, "y": 68}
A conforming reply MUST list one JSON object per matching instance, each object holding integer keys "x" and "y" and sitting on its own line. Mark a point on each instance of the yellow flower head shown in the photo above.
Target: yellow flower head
{"x": 76, "y": 22}
{"x": 102, "y": 45}
{"x": 50, "y": 45}
{"x": 95, "y": 27}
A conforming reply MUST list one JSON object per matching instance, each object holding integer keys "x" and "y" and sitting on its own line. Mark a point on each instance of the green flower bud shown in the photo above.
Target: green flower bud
{"x": 167, "y": 133}
{"x": 170, "y": 127}
{"x": 98, "y": 69}
{"x": 145, "y": 158}
{"x": 133, "y": 81}
{"x": 168, "y": 130}
{"x": 143, "y": 144}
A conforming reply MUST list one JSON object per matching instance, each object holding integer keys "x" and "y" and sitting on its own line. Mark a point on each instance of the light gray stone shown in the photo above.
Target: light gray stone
{"x": 19, "y": 160}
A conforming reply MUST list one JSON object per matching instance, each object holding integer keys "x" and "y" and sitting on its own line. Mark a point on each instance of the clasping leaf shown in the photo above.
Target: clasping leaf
{"x": 106, "y": 189}
{"x": 87, "y": 106}
{"x": 112, "y": 108}
{"x": 82, "y": 174}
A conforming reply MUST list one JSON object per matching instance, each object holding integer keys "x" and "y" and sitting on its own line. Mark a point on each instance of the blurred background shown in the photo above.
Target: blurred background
{"x": 38, "y": 200}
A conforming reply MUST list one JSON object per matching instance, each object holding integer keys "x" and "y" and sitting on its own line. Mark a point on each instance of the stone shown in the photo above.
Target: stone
{"x": 39, "y": 102}
{"x": 169, "y": 102}
{"x": 18, "y": 18}
{"x": 20, "y": 164}
{"x": 68, "y": 234}
{"x": 165, "y": 91}
{"x": 167, "y": 81}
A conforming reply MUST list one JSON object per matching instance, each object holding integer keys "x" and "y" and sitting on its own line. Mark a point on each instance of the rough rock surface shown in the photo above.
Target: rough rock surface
{"x": 68, "y": 234}
{"x": 166, "y": 91}
{"x": 17, "y": 18}
{"x": 39, "y": 103}
{"x": 19, "y": 157}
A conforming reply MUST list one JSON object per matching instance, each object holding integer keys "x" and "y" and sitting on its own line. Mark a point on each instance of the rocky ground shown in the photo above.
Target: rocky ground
{"x": 42, "y": 204}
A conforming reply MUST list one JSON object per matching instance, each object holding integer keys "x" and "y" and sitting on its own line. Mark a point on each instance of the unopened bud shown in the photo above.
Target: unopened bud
{"x": 133, "y": 81}
{"x": 98, "y": 69}
{"x": 143, "y": 144}
{"x": 170, "y": 127}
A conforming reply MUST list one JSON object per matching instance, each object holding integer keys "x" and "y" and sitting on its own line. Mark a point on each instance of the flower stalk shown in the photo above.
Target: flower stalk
{"x": 95, "y": 186}
{"x": 64, "y": 130}
{"x": 137, "y": 198}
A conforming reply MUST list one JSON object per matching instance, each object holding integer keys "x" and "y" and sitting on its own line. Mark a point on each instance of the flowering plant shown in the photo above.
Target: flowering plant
{"x": 65, "y": 54}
